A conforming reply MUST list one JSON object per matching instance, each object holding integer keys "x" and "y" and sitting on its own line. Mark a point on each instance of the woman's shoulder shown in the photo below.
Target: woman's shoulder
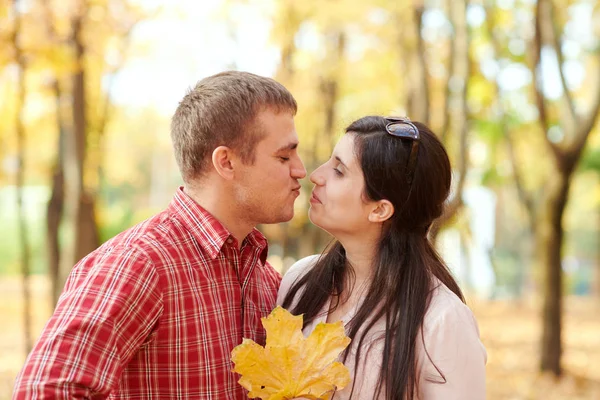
{"x": 446, "y": 307}
{"x": 449, "y": 320}
{"x": 301, "y": 267}
{"x": 451, "y": 351}
{"x": 295, "y": 272}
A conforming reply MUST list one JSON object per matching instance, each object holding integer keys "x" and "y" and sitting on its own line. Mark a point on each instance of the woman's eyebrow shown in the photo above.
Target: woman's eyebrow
{"x": 341, "y": 162}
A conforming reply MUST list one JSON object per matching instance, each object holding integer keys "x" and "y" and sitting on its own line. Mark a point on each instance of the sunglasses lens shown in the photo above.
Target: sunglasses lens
{"x": 402, "y": 129}
{"x": 398, "y": 128}
{"x": 405, "y": 129}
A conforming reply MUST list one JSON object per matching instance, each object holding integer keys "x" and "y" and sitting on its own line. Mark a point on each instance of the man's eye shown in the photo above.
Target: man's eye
{"x": 284, "y": 158}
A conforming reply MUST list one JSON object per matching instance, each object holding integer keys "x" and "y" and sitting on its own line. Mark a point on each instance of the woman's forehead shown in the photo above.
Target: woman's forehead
{"x": 344, "y": 150}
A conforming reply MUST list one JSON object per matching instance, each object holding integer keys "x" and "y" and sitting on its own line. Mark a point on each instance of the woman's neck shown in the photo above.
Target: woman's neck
{"x": 360, "y": 255}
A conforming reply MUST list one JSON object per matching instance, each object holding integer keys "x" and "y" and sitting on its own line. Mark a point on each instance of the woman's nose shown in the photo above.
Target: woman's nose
{"x": 317, "y": 176}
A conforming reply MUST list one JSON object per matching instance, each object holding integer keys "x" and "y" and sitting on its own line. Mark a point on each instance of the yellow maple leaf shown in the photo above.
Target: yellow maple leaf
{"x": 291, "y": 365}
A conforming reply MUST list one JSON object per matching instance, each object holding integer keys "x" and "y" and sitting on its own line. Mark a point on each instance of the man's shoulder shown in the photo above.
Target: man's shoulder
{"x": 148, "y": 239}
{"x": 154, "y": 229}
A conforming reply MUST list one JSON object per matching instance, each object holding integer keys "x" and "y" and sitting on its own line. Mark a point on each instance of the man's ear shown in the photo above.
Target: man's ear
{"x": 222, "y": 159}
{"x": 382, "y": 211}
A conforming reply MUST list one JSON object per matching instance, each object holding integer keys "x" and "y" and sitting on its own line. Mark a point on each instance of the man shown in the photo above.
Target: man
{"x": 155, "y": 312}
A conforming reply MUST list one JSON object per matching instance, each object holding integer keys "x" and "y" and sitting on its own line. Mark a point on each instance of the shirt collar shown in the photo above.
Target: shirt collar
{"x": 257, "y": 239}
{"x": 211, "y": 234}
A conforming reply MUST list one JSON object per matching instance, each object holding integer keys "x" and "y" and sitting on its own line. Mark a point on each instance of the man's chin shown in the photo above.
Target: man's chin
{"x": 286, "y": 218}
{"x": 282, "y": 218}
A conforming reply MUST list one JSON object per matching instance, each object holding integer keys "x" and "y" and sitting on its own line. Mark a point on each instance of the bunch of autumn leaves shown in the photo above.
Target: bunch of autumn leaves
{"x": 291, "y": 365}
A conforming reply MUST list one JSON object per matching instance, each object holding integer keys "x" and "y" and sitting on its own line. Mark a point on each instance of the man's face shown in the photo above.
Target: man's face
{"x": 265, "y": 191}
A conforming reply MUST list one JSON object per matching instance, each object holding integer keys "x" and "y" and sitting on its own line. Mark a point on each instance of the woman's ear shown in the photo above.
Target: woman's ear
{"x": 382, "y": 211}
{"x": 222, "y": 160}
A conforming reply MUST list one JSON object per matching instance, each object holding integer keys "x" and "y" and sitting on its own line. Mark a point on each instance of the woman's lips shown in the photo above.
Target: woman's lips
{"x": 315, "y": 199}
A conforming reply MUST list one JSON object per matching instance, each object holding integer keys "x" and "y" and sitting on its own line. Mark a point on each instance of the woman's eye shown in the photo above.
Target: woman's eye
{"x": 338, "y": 172}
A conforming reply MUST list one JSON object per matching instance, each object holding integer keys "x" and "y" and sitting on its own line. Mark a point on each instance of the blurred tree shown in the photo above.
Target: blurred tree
{"x": 56, "y": 202}
{"x": 501, "y": 122}
{"x": 86, "y": 47}
{"x": 591, "y": 162}
{"x": 86, "y": 228}
{"x": 325, "y": 139}
{"x": 285, "y": 31}
{"x": 456, "y": 118}
{"x": 319, "y": 43}
{"x": 315, "y": 77}
{"x": 54, "y": 210}
{"x": 566, "y": 128}
{"x": 284, "y": 34}
{"x": 565, "y": 125}
{"x": 417, "y": 96}
{"x": 20, "y": 61}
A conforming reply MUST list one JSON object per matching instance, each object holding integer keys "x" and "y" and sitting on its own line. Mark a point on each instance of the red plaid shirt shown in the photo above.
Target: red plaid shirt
{"x": 154, "y": 313}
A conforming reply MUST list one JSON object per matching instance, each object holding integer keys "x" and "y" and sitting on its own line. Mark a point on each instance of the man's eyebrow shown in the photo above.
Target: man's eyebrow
{"x": 290, "y": 146}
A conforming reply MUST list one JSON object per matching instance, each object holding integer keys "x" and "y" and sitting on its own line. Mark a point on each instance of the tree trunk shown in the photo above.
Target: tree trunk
{"x": 450, "y": 66}
{"x": 418, "y": 96}
{"x": 329, "y": 85}
{"x": 459, "y": 117}
{"x": 549, "y": 234}
{"x": 87, "y": 239}
{"x": 20, "y": 179}
{"x": 313, "y": 237}
{"x": 55, "y": 207}
{"x": 549, "y": 250}
{"x": 53, "y": 218}
{"x": 285, "y": 74}
{"x": 596, "y": 271}
{"x": 24, "y": 237}
{"x": 86, "y": 230}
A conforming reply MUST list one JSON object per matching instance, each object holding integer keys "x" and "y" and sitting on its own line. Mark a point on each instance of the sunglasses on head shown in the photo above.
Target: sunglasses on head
{"x": 404, "y": 129}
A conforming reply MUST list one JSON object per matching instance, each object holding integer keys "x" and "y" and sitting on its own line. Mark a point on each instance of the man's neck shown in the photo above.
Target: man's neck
{"x": 219, "y": 205}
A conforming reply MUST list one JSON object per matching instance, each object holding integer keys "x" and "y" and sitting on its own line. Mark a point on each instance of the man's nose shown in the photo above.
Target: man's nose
{"x": 298, "y": 170}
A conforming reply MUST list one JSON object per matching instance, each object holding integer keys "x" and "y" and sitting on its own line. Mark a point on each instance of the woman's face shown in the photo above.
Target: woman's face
{"x": 337, "y": 204}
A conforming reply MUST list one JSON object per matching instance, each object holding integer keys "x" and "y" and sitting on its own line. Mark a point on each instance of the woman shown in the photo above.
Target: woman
{"x": 412, "y": 335}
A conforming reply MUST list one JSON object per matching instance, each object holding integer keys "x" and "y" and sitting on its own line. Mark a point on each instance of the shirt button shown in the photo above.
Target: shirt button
{"x": 230, "y": 240}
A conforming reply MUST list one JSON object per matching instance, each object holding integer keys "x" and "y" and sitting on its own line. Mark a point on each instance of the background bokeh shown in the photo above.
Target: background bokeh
{"x": 512, "y": 87}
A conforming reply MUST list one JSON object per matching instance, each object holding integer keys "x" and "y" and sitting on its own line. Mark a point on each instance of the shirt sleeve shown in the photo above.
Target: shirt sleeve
{"x": 110, "y": 305}
{"x": 453, "y": 358}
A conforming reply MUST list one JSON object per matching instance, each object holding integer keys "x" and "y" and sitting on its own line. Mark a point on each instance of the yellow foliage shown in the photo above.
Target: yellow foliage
{"x": 291, "y": 365}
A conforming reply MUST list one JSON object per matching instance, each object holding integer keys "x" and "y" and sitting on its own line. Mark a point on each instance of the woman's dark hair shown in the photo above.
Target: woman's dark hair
{"x": 406, "y": 263}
